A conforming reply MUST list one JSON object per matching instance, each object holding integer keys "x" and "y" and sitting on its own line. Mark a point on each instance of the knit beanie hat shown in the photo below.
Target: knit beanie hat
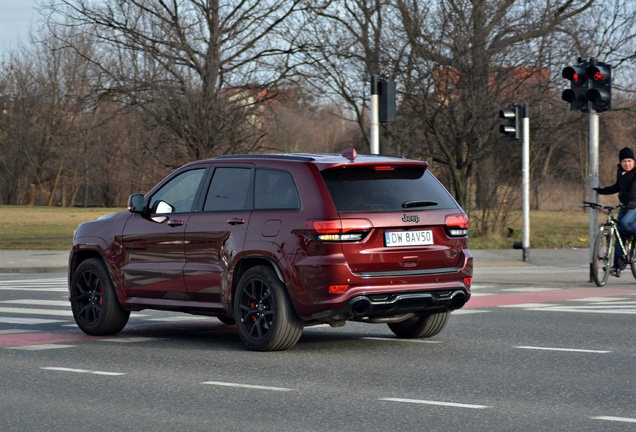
{"x": 626, "y": 153}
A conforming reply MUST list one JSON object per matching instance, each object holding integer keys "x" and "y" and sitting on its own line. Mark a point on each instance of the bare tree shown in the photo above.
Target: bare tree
{"x": 195, "y": 67}
{"x": 485, "y": 50}
{"x": 347, "y": 41}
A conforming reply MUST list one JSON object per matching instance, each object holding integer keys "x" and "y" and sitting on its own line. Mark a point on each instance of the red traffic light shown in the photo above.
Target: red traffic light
{"x": 598, "y": 74}
{"x": 576, "y": 74}
{"x": 575, "y": 95}
{"x": 600, "y": 92}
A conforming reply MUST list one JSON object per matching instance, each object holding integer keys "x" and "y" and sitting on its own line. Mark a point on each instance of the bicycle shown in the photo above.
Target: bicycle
{"x": 605, "y": 242}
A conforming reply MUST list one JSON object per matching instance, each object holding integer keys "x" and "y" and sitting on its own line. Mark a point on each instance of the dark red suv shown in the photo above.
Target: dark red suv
{"x": 274, "y": 243}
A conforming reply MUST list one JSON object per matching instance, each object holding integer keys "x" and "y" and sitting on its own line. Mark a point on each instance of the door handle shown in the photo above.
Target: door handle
{"x": 236, "y": 221}
{"x": 174, "y": 223}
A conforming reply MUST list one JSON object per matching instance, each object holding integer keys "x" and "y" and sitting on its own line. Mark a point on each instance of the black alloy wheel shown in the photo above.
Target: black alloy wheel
{"x": 93, "y": 300}
{"x": 265, "y": 317}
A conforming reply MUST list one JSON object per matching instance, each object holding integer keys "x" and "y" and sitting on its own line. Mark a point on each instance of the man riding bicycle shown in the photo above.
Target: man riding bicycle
{"x": 625, "y": 186}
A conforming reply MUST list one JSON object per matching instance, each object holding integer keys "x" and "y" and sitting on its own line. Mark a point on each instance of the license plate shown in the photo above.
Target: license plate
{"x": 408, "y": 238}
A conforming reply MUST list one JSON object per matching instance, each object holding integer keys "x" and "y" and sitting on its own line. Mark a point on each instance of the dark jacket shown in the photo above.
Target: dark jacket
{"x": 625, "y": 186}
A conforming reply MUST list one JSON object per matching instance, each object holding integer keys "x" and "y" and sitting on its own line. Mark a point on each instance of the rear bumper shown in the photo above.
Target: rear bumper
{"x": 395, "y": 304}
{"x": 379, "y": 294}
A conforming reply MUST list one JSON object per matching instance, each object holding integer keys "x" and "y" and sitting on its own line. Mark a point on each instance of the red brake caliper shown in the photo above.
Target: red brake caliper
{"x": 253, "y": 306}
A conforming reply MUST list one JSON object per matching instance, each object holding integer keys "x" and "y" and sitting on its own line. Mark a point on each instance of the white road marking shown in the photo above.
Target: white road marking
{"x": 249, "y": 386}
{"x": 528, "y": 305}
{"x": 182, "y": 318}
{"x": 27, "y": 321}
{"x": 601, "y": 299}
{"x": 564, "y": 349}
{"x": 40, "y": 347}
{"x": 33, "y": 289}
{"x": 15, "y": 331}
{"x": 30, "y": 302}
{"x": 30, "y": 282}
{"x": 37, "y": 311}
{"x": 130, "y": 339}
{"x": 388, "y": 339}
{"x": 530, "y": 289}
{"x": 616, "y": 419}
{"x": 479, "y": 286}
{"x": 469, "y": 311}
{"x": 50, "y": 285}
{"x": 83, "y": 371}
{"x": 579, "y": 309}
{"x": 428, "y": 402}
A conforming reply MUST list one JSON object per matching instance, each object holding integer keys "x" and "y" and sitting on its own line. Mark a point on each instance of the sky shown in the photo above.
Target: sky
{"x": 16, "y": 17}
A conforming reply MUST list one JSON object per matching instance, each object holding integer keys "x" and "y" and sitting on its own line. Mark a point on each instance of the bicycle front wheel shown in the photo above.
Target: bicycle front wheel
{"x": 631, "y": 251}
{"x": 602, "y": 256}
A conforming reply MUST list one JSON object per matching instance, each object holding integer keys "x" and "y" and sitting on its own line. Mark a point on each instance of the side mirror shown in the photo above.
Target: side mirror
{"x": 136, "y": 203}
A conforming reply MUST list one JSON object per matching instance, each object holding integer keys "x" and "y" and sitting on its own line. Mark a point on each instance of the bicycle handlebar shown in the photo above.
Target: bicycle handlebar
{"x": 600, "y": 206}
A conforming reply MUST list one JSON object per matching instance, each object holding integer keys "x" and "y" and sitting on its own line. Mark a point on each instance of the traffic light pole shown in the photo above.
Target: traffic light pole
{"x": 594, "y": 163}
{"x": 590, "y": 91}
{"x": 375, "y": 117}
{"x": 518, "y": 128}
{"x": 525, "y": 181}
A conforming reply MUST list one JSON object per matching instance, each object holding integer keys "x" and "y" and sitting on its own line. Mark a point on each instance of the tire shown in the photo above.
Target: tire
{"x": 96, "y": 309}
{"x": 602, "y": 256}
{"x": 421, "y": 326}
{"x": 226, "y": 320}
{"x": 632, "y": 255}
{"x": 265, "y": 317}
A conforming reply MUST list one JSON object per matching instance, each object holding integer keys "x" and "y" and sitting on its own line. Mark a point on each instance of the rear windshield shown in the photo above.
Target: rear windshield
{"x": 366, "y": 189}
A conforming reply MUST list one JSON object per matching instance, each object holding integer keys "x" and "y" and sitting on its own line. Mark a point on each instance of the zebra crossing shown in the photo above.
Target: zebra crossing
{"x": 542, "y": 298}
{"x": 602, "y": 305}
{"x": 37, "y": 301}
{"x": 34, "y": 302}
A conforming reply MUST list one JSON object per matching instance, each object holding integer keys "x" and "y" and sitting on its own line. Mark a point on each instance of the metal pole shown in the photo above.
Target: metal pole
{"x": 525, "y": 182}
{"x": 375, "y": 117}
{"x": 593, "y": 181}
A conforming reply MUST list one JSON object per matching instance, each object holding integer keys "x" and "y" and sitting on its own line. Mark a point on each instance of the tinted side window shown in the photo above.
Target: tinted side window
{"x": 275, "y": 190}
{"x": 177, "y": 196}
{"x": 365, "y": 189}
{"x": 229, "y": 190}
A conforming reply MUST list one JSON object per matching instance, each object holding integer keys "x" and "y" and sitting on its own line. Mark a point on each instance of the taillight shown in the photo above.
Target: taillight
{"x": 340, "y": 230}
{"x": 456, "y": 225}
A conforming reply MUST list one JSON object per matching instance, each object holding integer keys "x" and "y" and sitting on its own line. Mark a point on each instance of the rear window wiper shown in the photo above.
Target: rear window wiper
{"x": 409, "y": 204}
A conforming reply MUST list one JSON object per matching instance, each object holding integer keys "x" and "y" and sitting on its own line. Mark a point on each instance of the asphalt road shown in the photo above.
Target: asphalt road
{"x": 528, "y": 353}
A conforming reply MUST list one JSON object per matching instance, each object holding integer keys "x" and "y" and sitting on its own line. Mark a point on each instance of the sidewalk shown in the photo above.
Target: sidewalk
{"x": 43, "y": 261}
{"x": 33, "y": 261}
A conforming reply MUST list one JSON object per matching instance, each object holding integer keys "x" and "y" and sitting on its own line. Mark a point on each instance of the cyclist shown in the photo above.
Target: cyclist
{"x": 625, "y": 186}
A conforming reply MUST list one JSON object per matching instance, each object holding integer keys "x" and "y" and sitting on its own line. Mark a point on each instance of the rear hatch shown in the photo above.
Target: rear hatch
{"x": 397, "y": 219}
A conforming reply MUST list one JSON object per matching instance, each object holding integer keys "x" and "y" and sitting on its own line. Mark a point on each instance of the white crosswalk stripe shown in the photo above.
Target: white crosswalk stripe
{"x": 51, "y": 285}
{"x": 34, "y": 311}
{"x": 606, "y": 305}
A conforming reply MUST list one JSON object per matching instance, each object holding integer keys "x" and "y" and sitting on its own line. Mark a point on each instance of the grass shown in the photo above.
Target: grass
{"x": 43, "y": 228}
{"x": 548, "y": 230}
{"x": 51, "y": 228}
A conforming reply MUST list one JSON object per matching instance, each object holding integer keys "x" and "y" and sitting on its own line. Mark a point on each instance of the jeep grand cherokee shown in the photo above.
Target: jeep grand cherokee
{"x": 274, "y": 243}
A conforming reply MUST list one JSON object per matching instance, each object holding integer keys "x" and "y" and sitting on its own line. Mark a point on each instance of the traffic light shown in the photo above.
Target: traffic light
{"x": 576, "y": 94}
{"x": 514, "y": 127}
{"x": 386, "y": 90}
{"x": 600, "y": 92}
